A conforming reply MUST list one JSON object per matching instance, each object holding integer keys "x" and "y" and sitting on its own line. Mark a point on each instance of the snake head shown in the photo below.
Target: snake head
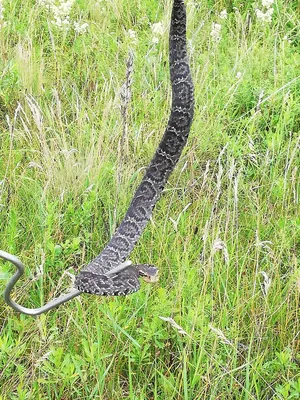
{"x": 149, "y": 273}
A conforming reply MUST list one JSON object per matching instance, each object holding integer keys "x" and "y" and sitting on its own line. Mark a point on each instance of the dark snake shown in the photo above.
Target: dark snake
{"x": 104, "y": 275}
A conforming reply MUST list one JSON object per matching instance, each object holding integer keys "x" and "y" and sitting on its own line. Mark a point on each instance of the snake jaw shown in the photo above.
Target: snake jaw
{"x": 149, "y": 274}
{"x": 151, "y": 279}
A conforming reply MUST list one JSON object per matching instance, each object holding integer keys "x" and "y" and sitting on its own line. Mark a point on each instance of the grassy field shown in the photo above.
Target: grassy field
{"x": 76, "y": 136}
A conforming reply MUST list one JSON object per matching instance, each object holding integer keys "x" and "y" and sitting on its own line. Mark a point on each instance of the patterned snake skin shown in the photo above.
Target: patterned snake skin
{"x": 96, "y": 277}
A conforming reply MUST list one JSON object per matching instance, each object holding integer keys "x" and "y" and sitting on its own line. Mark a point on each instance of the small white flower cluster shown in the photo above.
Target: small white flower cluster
{"x": 266, "y": 15}
{"x": 61, "y": 10}
{"x": 80, "y": 28}
{"x": 216, "y": 32}
{"x": 267, "y": 3}
{"x": 223, "y": 14}
{"x": 157, "y": 30}
{"x": 132, "y": 36}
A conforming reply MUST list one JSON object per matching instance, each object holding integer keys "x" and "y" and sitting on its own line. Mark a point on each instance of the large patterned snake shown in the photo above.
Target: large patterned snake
{"x": 104, "y": 275}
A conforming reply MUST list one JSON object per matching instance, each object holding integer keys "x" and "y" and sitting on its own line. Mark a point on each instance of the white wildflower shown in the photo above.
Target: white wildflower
{"x": 158, "y": 29}
{"x": 223, "y": 14}
{"x": 80, "y": 28}
{"x": 264, "y": 17}
{"x": 216, "y": 32}
{"x": 61, "y": 23}
{"x": 132, "y": 35}
{"x": 60, "y": 10}
{"x": 238, "y": 75}
{"x": 267, "y": 3}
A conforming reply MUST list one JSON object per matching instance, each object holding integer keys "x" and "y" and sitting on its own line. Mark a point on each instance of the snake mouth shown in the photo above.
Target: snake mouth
{"x": 151, "y": 279}
{"x": 150, "y": 275}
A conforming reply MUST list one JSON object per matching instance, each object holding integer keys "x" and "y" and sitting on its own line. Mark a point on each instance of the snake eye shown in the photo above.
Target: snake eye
{"x": 142, "y": 273}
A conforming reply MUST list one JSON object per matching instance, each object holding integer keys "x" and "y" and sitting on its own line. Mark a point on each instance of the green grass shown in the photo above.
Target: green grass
{"x": 67, "y": 178}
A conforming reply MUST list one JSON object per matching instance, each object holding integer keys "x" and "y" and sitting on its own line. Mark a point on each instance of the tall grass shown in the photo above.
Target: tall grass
{"x": 225, "y": 233}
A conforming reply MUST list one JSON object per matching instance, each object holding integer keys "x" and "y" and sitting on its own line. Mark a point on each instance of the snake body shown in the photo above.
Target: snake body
{"x": 95, "y": 277}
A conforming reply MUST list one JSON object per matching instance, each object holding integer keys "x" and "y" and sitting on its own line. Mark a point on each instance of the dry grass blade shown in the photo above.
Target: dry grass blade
{"x": 174, "y": 325}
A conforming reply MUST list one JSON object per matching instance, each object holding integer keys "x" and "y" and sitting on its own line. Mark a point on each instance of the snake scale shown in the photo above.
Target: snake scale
{"x": 102, "y": 276}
